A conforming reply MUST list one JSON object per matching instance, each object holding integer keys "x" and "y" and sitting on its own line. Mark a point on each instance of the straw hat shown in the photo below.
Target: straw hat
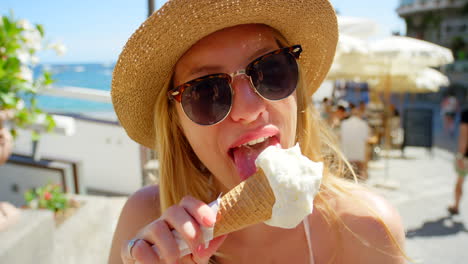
{"x": 147, "y": 60}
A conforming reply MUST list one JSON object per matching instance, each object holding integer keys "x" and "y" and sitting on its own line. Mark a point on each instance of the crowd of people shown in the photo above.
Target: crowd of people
{"x": 360, "y": 129}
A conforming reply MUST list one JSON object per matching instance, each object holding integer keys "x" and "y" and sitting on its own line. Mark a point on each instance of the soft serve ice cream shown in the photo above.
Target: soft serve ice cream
{"x": 280, "y": 195}
{"x": 294, "y": 179}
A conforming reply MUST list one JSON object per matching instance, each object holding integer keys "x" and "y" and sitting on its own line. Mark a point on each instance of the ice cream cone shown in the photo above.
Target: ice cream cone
{"x": 249, "y": 203}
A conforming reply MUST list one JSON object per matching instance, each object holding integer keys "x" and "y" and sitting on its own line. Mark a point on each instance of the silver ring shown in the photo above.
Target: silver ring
{"x": 130, "y": 246}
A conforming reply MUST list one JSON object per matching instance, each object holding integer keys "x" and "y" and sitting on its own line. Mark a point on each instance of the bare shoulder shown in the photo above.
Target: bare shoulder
{"x": 373, "y": 231}
{"x": 141, "y": 208}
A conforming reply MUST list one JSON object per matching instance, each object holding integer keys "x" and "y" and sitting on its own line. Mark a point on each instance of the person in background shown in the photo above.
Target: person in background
{"x": 326, "y": 110}
{"x": 362, "y": 110}
{"x": 354, "y": 134}
{"x": 6, "y": 140}
{"x": 461, "y": 161}
{"x": 449, "y": 109}
{"x": 394, "y": 126}
{"x": 339, "y": 114}
{"x": 9, "y": 214}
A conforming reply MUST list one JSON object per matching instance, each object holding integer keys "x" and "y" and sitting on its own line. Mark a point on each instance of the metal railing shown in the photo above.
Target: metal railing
{"x": 407, "y": 7}
{"x": 79, "y": 93}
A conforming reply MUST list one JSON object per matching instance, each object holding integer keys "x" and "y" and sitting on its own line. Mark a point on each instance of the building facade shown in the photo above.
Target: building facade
{"x": 444, "y": 22}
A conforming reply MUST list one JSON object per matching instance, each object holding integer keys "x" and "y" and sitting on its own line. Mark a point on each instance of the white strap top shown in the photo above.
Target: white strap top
{"x": 309, "y": 241}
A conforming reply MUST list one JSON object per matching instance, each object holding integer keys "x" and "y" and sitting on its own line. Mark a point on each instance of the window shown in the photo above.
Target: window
{"x": 463, "y": 28}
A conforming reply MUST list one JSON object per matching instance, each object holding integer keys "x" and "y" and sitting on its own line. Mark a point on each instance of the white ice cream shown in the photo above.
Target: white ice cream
{"x": 294, "y": 179}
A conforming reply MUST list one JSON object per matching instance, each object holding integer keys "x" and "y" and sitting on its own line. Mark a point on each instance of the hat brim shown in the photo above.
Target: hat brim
{"x": 147, "y": 60}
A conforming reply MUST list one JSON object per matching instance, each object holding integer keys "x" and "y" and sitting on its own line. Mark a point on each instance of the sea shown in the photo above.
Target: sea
{"x": 88, "y": 75}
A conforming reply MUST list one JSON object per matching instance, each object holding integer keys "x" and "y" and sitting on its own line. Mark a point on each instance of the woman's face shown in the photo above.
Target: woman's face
{"x": 229, "y": 149}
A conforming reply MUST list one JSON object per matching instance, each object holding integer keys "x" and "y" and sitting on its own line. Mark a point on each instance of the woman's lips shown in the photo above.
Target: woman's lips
{"x": 265, "y": 131}
{"x": 244, "y": 156}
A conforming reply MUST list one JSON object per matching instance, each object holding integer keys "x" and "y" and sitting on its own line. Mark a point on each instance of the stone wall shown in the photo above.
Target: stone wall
{"x": 85, "y": 237}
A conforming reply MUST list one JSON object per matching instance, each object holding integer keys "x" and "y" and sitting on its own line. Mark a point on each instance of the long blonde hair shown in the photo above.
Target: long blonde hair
{"x": 182, "y": 173}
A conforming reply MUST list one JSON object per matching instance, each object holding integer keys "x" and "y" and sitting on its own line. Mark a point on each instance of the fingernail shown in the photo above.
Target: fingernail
{"x": 189, "y": 229}
{"x": 208, "y": 221}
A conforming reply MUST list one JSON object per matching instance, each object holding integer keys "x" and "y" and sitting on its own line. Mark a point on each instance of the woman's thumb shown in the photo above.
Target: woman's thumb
{"x": 203, "y": 254}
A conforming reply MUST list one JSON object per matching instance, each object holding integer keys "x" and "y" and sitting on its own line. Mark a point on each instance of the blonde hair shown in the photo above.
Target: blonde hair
{"x": 182, "y": 173}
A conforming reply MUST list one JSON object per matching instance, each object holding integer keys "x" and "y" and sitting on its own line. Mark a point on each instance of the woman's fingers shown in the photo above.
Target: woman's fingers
{"x": 185, "y": 225}
{"x": 199, "y": 210}
{"x": 204, "y": 254}
{"x": 179, "y": 222}
{"x": 159, "y": 234}
{"x": 140, "y": 252}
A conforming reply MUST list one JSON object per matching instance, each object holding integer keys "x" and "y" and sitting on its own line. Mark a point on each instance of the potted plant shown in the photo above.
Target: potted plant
{"x": 51, "y": 197}
{"x": 20, "y": 42}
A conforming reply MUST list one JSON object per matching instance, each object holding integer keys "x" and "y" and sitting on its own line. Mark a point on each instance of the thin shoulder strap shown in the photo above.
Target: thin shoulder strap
{"x": 309, "y": 241}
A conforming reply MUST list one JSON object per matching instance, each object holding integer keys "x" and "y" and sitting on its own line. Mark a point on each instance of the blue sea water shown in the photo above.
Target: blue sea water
{"x": 94, "y": 76}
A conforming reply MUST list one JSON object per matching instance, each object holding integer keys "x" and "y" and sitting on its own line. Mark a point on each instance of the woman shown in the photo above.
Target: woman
{"x": 461, "y": 162}
{"x": 210, "y": 84}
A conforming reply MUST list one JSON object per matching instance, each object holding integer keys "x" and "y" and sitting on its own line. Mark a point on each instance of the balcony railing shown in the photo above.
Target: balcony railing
{"x": 408, "y": 7}
{"x": 459, "y": 66}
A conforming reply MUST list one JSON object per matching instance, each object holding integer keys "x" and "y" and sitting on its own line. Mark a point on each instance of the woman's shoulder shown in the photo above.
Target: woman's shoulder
{"x": 141, "y": 208}
{"x": 144, "y": 203}
{"x": 372, "y": 228}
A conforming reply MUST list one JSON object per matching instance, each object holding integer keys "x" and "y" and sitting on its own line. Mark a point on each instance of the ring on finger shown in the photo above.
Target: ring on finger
{"x": 130, "y": 246}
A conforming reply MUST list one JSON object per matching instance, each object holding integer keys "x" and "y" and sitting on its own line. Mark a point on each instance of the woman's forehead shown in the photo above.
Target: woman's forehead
{"x": 243, "y": 40}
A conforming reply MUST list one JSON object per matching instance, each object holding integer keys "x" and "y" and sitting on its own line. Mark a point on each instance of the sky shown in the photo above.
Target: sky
{"x": 96, "y": 30}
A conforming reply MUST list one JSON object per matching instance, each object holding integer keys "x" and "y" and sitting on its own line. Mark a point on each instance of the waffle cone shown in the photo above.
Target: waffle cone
{"x": 249, "y": 203}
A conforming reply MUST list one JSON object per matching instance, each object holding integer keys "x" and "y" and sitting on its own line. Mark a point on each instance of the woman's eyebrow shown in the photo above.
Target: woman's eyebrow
{"x": 218, "y": 68}
{"x": 206, "y": 69}
{"x": 261, "y": 51}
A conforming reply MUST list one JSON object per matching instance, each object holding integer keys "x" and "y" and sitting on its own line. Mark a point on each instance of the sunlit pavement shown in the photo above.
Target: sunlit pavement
{"x": 423, "y": 185}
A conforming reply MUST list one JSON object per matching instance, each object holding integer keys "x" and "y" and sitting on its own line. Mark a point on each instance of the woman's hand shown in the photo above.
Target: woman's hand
{"x": 186, "y": 218}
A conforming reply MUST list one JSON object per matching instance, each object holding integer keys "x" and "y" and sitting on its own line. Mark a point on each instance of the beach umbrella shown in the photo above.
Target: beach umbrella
{"x": 411, "y": 50}
{"x": 363, "y": 67}
{"x": 357, "y": 27}
{"x": 351, "y": 46}
{"x": 426, "y": 80}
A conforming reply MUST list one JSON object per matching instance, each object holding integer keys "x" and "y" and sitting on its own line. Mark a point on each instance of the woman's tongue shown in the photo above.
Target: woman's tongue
{"x": 245, "y": 156}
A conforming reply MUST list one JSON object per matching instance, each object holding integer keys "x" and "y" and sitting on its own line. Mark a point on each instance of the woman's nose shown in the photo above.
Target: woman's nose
{"x": 247, "y": 106}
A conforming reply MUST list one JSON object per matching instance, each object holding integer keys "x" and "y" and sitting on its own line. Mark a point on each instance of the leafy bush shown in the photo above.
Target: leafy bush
{"x": 49, "y": 197}
{"x": 20, "y": 41}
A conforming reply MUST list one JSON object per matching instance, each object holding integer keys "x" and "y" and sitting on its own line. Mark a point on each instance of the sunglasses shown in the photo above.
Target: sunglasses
{"x": 208, "y": 100}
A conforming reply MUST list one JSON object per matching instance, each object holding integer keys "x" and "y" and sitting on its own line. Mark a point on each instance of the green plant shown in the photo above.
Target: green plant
{"x": 20, "y": 41}
{"x": 49, "y": 197}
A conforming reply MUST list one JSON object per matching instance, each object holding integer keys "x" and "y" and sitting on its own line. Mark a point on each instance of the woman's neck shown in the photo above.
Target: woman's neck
{"x": 264, "y": 244}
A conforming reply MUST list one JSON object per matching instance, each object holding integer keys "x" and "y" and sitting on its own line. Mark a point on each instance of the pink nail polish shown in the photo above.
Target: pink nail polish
{"x": 208, "y": 221}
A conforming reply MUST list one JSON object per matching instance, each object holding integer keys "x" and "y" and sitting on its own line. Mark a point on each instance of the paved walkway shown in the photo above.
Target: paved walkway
{"x": 425, "y": 187}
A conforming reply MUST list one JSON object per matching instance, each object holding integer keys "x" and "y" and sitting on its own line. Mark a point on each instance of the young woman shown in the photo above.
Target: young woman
{"x": 209, "y": 85}
{"x": 461, "y": 162}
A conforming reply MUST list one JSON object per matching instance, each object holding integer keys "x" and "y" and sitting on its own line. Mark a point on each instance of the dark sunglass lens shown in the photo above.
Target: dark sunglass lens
{"x": 275, "y": 77}
{"x": 207, "y": 102}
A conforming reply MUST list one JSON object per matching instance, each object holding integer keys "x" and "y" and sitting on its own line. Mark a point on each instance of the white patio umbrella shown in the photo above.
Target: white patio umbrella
{"x": 350, "y": 45}
{"x": 394, "y": 58}
{"x": 414, "y": 51}
{"x": 363, "y": 67}
{"x": 357, "y": 27}
{"x": 426, "y": 80}
{"x": 430, "y": 79}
